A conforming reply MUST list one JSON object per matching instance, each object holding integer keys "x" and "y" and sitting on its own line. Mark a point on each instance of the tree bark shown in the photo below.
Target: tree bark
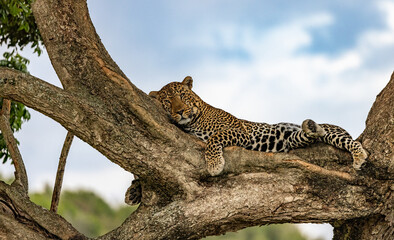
{"x": 60, "y": 172}
{"x": 20, "y": 170}
{"x": 101, "y": 106}
{"x": 378, "y": 138}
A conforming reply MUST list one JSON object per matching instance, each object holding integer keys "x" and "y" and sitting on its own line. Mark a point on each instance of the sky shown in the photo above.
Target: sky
{"x": 265, "y": 61}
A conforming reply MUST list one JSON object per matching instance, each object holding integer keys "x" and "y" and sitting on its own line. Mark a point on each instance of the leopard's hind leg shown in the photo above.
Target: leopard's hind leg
{"x": 340, "y": 138}
{"x": 134, "y": 192}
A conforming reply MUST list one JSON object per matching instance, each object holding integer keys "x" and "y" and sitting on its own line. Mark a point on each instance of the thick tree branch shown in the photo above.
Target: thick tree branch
{"x": 380, "y": 125}
{"x": 378, "y": 139}
{"x": 232, "y": 202}
{"x": 22, "y": 219}
{"x": 72, "y": 34}
{"x": 37, "y": 94}
{"x": 84, "y": 118}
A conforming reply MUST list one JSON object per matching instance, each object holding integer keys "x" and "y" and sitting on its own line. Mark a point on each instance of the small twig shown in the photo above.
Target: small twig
{"x": 314, "y": 168}
{"x": 60, "y": 172}
{"x": 20, "y": 170}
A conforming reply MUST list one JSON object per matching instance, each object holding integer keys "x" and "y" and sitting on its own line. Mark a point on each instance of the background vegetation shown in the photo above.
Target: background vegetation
{"x": 86, "y": 211}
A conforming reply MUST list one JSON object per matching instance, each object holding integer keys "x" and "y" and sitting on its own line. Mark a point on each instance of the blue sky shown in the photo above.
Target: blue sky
{"x": 266, "y": 61}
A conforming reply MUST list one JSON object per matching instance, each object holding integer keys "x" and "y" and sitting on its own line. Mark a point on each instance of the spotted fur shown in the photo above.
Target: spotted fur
{"x": 220, "y": 129}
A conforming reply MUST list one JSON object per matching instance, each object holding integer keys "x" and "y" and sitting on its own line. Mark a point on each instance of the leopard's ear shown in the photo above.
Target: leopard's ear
{"x": 154, "y": 94}
{"x": 188, "y": 81}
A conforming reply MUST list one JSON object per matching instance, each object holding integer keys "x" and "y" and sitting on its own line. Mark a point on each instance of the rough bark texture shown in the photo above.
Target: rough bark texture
{"x": 180, "y": 201}
{"x": 378, "y": 139}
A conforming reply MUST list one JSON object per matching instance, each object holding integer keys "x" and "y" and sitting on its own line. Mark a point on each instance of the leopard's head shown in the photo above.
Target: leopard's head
{"x": 179, "y": 101}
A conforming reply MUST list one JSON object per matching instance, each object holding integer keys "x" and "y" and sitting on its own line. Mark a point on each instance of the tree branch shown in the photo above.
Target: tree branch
{"x": 380, "y": 125}
{"x": 37, "y": 94}
{"x": 86, "y": 70}
{"x": 60, "y": 172}
{"x": 22, "y": 219}
{"x": 232, "y": 202}
{"x": 84, "y": 118}
{"x": 378, "y": 139}
{"x": 6, "y": 108}
{"x": 20, "y": 171}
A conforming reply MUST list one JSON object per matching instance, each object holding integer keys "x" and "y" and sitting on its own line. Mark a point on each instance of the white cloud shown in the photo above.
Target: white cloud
{"x": 388, "y": 8}
{"x": 281, "y": 82}
{"x": 375, "y": 40}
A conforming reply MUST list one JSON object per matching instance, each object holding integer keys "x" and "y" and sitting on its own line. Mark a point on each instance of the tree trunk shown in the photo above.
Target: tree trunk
{"x": 101, "y": 106}
{"x": 378, "y": 137}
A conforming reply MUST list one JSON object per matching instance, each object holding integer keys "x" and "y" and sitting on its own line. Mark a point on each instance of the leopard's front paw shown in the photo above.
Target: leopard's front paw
{"x": 134, "y": 193}
{"x": 359, "y": 157}
{"x": 312, "y": 129}
{"x": 214, "y": 165}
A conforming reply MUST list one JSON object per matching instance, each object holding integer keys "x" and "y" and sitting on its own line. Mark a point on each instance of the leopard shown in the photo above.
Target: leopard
{"x": 220, "y": 129}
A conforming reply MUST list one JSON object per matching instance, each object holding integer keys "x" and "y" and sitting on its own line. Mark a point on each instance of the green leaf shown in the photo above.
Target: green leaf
{"x": 15, "y": 10}
{"x": 5, "y": 157}
{"x": 25, "y": 7}
{"x": 17, "y": 25}
{"x": 6, "y": 55}
{"x": 27, "y": 27}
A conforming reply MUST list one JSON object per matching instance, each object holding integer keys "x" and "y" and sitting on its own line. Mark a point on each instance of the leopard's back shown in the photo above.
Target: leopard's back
{"x": 211, "y": 121}
{"x": 270, "y": 137}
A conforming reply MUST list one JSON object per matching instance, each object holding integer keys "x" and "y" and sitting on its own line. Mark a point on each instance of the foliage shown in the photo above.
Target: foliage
{"x": 17, "y": 30}
{"x": 17, "y": 25}
{"x": 14, "y": 60}
{"x": 86, "y": 211}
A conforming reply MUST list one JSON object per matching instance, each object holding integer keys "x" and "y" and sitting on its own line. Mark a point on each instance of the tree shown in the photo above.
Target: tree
{"x": 180, "y": 201}
{"x": 17, "y": 29}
